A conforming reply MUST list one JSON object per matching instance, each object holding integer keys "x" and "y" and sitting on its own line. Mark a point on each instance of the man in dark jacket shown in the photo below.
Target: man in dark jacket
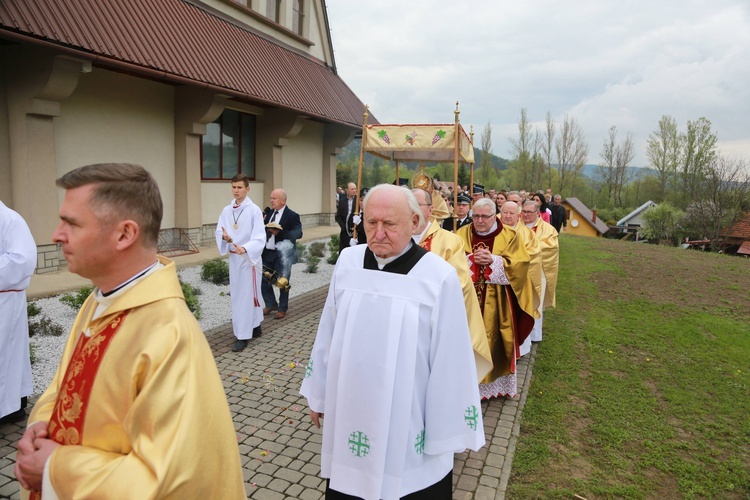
{"x": 462, "y": 214}
{"x": 559, "y": 217}
{"x": 283, "y": 229}
{"x": 345, "y": 218}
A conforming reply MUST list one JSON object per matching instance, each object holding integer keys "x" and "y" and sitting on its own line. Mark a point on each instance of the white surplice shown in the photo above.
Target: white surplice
{"x": 17, "y": 263}
{"x": 392, "y": 369}
{"x": 244, "y": 276}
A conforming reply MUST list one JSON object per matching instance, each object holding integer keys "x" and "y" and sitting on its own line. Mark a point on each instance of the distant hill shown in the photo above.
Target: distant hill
{"x": 592, "y": 171}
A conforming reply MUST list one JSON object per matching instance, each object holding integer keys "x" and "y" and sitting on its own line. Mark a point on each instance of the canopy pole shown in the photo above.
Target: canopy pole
{"x": 471, "y": 170}
{"x": 361, "y": 163}
{"x": 456, "y": 146}
{"x": 398, "y": 179}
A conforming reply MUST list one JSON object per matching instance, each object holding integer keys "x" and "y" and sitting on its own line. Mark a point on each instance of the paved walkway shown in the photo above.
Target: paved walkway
{"x": 279, "y": 445}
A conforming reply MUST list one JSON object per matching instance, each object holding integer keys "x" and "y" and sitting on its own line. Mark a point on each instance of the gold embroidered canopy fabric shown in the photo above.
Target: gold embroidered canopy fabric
{"x": 433, "y": 143}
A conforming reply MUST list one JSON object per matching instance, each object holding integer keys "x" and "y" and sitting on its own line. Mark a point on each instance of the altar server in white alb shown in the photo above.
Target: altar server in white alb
{"x": 17, "y": 263}
{"x": 240, "y": 231}
{"x": 392, "y": 368}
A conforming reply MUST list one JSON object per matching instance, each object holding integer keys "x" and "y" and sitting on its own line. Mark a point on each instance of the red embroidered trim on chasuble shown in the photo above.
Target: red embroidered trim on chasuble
{"x": 427, "y": 244}
{"x": 69, "y": 413}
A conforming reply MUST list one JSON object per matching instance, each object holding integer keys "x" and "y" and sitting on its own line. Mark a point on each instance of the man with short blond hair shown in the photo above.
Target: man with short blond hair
{"x": 136, "y": 408}
{"x": 392, "y": 367}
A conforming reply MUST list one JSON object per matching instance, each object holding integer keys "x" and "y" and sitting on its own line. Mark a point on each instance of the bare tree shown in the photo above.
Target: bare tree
{"x": 547, "y": 145}
{"x": 608, "y": 155}
{"x": 663, "y": 153}
{"x": 724, "y": 189}
{"x": 624, "y": 156}
{"x": 485, "y": 164}
{"x": 522, "y": 164}
{"x": 572, "y": 151}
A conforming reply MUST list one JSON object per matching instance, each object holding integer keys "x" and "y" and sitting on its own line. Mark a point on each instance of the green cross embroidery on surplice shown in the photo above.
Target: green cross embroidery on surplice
{"x": 419, "y": 443}
{"x": 471, "y": 416}
{"x": 359, "y": 444}
{"x": 308, "y": 369}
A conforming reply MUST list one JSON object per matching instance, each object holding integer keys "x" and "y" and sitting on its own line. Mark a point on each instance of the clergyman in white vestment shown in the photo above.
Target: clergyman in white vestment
{"x": 392, "y": 368}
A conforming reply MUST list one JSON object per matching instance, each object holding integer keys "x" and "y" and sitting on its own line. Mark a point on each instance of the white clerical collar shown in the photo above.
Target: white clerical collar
{"x": 418, "y": 237}
{"x": 531, "y": 225}
{"x": 382, "y": 262}
{"x": 236, "y": 204}
{"x": 105, "y": 301}
{"x": 494, "y": 226}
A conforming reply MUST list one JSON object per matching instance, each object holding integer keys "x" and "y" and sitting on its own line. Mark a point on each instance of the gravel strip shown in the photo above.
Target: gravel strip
{"x": 216, "y": 311}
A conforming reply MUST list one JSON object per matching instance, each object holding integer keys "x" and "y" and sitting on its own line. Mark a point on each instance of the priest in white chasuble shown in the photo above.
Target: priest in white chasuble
{"x": 392, "y": 369}
{"x": 447, "y": 245}
{"x": 504, "y": 262}
{"x": 136, "y": 408}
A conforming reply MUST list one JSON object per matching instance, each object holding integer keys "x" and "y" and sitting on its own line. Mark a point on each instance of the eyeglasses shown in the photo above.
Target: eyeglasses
{"x": 425, "y": 204}
{"x": 480, "y": 216}
{"x": 527, "y": 212}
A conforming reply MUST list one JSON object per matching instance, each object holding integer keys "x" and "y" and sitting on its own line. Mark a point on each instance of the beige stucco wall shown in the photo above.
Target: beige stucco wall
{"x": 303, "y": 173}
{"x": 216, "y": 195}
{"x": 112, "y": 117}
{"x": 6, "y": 190}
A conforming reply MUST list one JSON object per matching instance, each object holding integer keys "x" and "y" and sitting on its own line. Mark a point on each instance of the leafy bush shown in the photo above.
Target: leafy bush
{"x": 32, "y": 309}
{"x": 32, "y": 353}
{"x": 334, "y": 242}
{"x": 317, "y": 249}
{"x": 76, "y": 300}
{"x": 312, "y": 264}
{"x": 662, "y": 223}
{"x": 45, "y": 326}
{"x": 191, "y": 298}
{"x": 333, "y": 257}
{"x": 301, "y": 252}
{"x": 216, "y": 271}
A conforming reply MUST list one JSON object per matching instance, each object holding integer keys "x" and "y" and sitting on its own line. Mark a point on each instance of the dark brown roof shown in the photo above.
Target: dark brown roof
{"x": 739, "y": 230}
{"x": 185, "y": 43}
{"x": 587, "y": 214}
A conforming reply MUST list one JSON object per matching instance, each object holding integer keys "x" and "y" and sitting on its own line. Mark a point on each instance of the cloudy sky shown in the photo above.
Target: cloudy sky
{"x": 624, "y": 63}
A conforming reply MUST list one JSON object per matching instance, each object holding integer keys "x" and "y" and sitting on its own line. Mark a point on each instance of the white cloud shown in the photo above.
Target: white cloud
{"x": 604, "y": 63}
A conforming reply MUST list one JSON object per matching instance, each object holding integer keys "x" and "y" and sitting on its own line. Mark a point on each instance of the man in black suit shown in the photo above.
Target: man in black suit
{"x": 462, "y": 214}
{"x": 280, "y": 251}
{"x": 559, "y": 217}
{"x": 344, "y": 217}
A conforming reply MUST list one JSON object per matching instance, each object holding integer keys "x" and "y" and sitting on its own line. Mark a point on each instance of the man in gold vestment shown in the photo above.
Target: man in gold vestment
{"x": 136, "y": 408}
{"x": 503, "y": 260}
{"x": 546, "y": 235}
{"x": 447, "y": 245}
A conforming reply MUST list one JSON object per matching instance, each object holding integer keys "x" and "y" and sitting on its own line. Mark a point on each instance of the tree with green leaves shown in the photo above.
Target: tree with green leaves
{"x": 698, "y": 146}
{"x": 547, "y": 143}
{"x": 662, "y": 223}
{"x": 663, "y": 153}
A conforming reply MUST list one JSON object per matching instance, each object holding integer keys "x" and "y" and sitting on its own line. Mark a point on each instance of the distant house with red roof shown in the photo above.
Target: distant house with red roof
{"x": 736, "y": 238}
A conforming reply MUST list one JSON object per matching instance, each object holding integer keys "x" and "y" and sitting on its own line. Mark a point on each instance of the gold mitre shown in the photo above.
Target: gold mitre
{"x": 422, "y": 181}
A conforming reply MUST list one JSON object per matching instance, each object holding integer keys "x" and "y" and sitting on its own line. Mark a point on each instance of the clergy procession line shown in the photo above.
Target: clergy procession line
{"x": 413, "y": 321}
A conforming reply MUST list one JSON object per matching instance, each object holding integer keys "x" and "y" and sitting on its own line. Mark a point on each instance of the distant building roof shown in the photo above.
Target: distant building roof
{"x": 740, "y": 230}
{"x": 634, "y": 213}
{"x": 185, "y": 43}
{"x": 744, "y": 248}
{"x": 587, "y": 214}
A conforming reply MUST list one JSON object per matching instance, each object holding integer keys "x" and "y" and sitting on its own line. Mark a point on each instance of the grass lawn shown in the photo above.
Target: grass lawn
{"x": 641, "y": 387}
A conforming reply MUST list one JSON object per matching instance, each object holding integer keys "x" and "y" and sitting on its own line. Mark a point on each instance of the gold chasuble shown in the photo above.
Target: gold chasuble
{"x": 508, "y": 311}
{"x": 450, "y": 247}
{"x": 546, "y": 235}
{"x": 138, "y": 404}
